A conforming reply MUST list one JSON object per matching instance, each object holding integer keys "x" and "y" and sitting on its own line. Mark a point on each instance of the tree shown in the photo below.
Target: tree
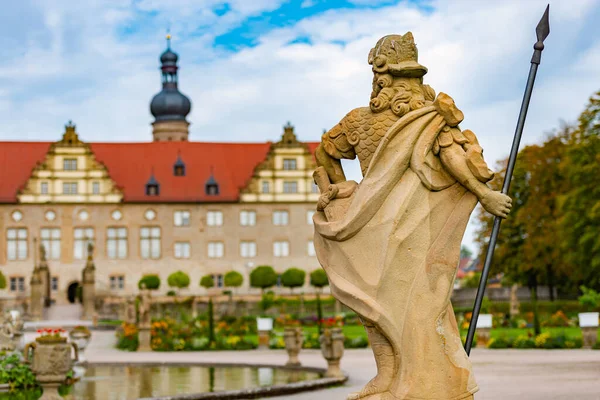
{"x": 208, "y": 282}
{"x": 293, "y": 278}
{"x": 2, "y": 281}
{"x": 178, "y": 280}
{"x": 318, "y": 279}
{"x": 465, "y": 252}
{"x": 151, "y": 282}
{"x": 580, "y": 204}
{"x": 263, "y": 277}
{"x": 233, "y": 279}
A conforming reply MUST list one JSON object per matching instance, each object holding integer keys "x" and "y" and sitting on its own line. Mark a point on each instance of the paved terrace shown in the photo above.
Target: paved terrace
{"x": 501, "y": 374}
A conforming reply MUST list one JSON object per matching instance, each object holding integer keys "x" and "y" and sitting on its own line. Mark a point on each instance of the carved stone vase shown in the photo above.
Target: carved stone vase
{"x": 51, "y": 360}
{"x": 81, "y": 336}
{"x": 294, "y": 338}
{"x": 332, "y": 348}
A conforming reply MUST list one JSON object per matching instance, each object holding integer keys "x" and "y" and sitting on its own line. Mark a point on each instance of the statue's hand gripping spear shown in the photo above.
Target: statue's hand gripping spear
{"x": 542, "y": 30}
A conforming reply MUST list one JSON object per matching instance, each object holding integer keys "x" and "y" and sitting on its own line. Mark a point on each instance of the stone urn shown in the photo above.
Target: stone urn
{"x": 588, "y": 322}
{"x": 293, "y": 338}
{"x": 51, "y": 360}
{"x": 332, "y": 348}
{"x": 81, "y": 336}
{"x": 16, "y": 320}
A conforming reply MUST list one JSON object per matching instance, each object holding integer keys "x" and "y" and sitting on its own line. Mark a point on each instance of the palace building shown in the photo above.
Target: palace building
{"x": 154, "y": 207}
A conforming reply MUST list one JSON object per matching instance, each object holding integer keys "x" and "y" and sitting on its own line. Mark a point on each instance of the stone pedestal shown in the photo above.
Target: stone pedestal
{"x": 590, "y": 336}
{"x": 144, "y": 339}
{"x": 88, "y": 280}
{"x": 514, "y": 301}
{"x": 483, "y": 336}
{"x": 36, "y": 298}
{"x": 332, "y": 348}
{"x": 263, "y": 339}
{"x": 294, "y": 338}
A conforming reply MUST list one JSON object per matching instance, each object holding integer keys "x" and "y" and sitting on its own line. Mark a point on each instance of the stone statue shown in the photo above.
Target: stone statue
{"x": 391, "y": 245}
{"x": 144, "y": 308}
{"x": 88, "y": 280}
{"x": 7, "y": 332}
{"x": 130, "y": 314}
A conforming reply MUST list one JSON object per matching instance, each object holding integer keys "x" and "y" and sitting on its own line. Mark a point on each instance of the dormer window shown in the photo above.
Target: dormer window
{"x": 179, "y": 167}
{"x": 152, "y": 187}
{"x": 70, "y": 164}
{"x": 211, "y": 187}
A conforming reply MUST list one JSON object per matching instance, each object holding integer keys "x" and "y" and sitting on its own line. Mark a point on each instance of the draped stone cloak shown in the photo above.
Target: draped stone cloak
{"x": 393, "y": 252}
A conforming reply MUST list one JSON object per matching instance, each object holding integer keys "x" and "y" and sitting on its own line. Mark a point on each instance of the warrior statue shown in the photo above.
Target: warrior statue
{"x": 391, "y": 245}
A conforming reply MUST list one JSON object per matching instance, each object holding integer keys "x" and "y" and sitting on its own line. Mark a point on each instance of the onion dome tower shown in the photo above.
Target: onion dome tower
{"x": 170, "y": 107}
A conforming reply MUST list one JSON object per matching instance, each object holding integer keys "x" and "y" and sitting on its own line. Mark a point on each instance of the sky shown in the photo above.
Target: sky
{"x": 249, "y": 66}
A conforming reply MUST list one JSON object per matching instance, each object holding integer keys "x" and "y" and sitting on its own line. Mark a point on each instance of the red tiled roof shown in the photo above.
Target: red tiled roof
{"x": 131, "y": 164}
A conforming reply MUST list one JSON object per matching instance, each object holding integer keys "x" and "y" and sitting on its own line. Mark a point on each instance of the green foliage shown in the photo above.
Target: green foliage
{"x": 590, "y": 299}
{"x": 179, "y": 280}
{"x": 233, "y": 279}
{"x": 2, "y": 281}
{"x": 171, "y": 293}
{"x": 318, "y": 278}
{"x": 15, "y": 373}
{"x": 293, "y": 278}
{"x": 207, "y": 281}
{"x": 267, "y": 301}
{"x": 471, "y": 281}
{"x": 151, "y": 282}
{"x": 263, "y": 277}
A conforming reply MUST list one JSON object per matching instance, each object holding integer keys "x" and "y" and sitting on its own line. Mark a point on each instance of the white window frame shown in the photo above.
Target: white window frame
{"x": 69, "y": 164}
{"x": 248, "y": 218}
{"x": 214, "y": 218}
{"x": 182, "y": 250}
{"x": 310, "y": 248}
{"x": 16, "y": 244}
{"x": 247, "y": 249}
{"x": 70, "y": 188}
{"x": 216, "y": 249}
{"x": 218, "y": 280}
{"x": 181, "y": 218}
{"x": 281, "y": 218}
{"x": 281, "y": 248}
{"x": 51, "y": 240}
{"x": 44, "y": 187}
{"x": 81, "y": 237}
{"x": 290, "y": 164}
{"x": 290, "y": 187}
{"x": 17, "y": 284}
{"x": 116, "y": 242}
{"x": 265, "y": 187}
{"x": 150, "y": 242}
{"x": 96, "y": 187}
{"x": 117, "y": 282}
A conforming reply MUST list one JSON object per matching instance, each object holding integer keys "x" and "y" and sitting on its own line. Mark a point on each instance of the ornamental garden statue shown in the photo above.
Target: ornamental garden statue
{"x": 391, "y": 244}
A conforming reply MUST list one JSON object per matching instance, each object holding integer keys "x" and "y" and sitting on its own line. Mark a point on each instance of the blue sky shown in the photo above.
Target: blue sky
{"x": 251, "y": 65}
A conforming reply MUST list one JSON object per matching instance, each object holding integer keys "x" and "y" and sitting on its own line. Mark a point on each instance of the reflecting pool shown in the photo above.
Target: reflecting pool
{"x": 121, "y": 382}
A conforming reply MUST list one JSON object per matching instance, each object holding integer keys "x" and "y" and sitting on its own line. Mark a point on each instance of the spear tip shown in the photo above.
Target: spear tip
{"x": 543, "y": 28}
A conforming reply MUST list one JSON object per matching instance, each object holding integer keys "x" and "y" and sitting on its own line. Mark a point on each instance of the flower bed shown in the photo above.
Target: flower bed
{"x": 542, "y": 341}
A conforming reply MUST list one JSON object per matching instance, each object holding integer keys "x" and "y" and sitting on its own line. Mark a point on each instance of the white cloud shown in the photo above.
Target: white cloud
{"x": 72, "y": 65}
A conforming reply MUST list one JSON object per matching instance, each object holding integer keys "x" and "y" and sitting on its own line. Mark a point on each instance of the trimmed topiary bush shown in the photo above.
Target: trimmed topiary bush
{"x": 293, "y": 278}
{"x": 151, "y": 282}
{"x": 179, "y": 280}
{"x": 263, "y": 277}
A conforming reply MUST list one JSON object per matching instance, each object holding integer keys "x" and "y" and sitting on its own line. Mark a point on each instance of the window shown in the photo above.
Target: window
{"x": 54, "y": 283}
{"x": 218, "y": 279}
{"x": 214, "y": 218}
{"x": 69, "y": 187}
{"x": 247, "y": 218}
{"x": 314, "y": 187}
{"x": 17, "y": 284}
{"x": 289, "y": 164}
{"x": 152, "y": 189}
{"x": 290, "y": 187}
{"x": 82, "y": 237}
{"x": 51, "y": 242}
{"x": 95, "y": 187}
{"x": 16, "y": 244}
{"x": 181, "y": 218}
{"x": 44, "y": 188}
{"x": 116, "y": 243}
{"x": 266, "y": 187}
{"x": 215, "y": 249}
{"x": 182, "y": 249}
{"x": 311, "y": 248}
{"x": 150, "y": 242}
{"x": 280, "y": 217}
{"x": 16, "y": 216}
{"x": 70, "y": 164}
{"x": 117, "y": 282}
{"x": 248, "y": 249}
{"x": 309, "y": 216}
{"x": 281, "y": 249}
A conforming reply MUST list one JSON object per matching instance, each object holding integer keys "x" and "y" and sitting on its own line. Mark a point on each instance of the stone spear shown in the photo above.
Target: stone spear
{"x": 542, "y": 30}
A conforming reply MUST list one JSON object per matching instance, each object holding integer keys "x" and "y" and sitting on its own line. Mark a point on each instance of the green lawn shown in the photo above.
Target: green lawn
{"x": 350, "y": 331}
{"x": 512, "y": 333}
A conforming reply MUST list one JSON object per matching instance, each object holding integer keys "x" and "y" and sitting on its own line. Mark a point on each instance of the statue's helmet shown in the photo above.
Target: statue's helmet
{"x": 398, "y": 56}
